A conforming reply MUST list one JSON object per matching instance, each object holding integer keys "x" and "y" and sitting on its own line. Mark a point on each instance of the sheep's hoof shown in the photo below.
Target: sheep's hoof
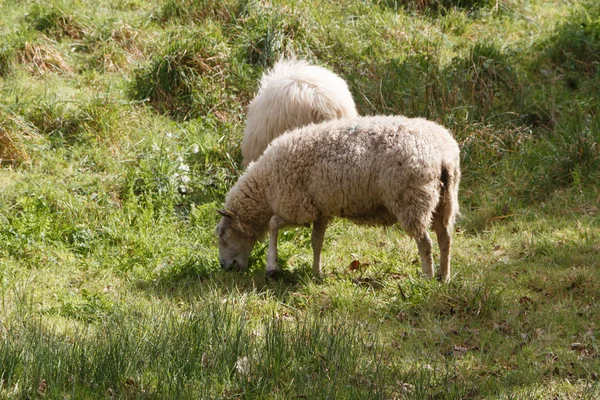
{"x": 273, "y": 274}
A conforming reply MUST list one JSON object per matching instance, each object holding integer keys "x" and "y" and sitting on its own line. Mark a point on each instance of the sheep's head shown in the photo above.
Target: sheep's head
{"x": 234, "y": 246}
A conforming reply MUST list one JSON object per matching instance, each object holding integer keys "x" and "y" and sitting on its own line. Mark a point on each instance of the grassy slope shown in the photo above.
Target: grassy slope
{"x": 120, "y": 125}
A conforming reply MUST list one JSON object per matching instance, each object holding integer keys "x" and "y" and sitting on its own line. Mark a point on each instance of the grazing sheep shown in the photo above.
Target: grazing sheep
{"x": 293, "y": 94}
{"x": 374, "y": 170}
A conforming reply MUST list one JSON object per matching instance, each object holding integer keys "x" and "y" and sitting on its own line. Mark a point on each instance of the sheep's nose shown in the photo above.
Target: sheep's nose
{"x": 228, "y": 266}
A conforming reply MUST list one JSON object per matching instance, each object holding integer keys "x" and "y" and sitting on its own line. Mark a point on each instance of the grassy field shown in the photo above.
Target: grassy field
{"x": 120, "y": 127}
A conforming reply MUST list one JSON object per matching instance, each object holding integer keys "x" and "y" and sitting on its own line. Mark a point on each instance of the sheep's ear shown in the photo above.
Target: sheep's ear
{"x": 226, "y": 213}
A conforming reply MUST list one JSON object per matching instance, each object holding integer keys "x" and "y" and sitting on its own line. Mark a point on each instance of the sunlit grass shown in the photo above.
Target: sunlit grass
{"x": 120, "y": 127}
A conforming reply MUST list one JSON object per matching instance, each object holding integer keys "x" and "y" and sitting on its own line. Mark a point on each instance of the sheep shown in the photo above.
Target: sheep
{"x": 378, "y": 170}
{"x": 293, "y": 94}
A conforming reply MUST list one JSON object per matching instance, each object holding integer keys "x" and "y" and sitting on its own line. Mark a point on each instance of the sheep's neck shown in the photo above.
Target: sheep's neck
{"x": 251, "y": 206}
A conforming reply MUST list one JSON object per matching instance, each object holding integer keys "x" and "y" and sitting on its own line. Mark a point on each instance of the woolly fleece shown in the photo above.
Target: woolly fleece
{"x": 293, "y": 94}
{"x": 375, "y": 170}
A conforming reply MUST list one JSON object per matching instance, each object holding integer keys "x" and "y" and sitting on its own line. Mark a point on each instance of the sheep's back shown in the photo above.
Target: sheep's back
{"x": 293, "y": 94}
{"x": 350, "y": 167}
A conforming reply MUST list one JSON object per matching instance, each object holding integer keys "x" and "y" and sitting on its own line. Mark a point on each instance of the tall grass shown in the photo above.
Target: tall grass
{"x": 207, "y": 351}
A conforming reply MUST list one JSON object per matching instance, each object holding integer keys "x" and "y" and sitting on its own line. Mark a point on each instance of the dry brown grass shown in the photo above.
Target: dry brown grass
{"x": 43, "y": 58}
{"x": 14, "y": 134}
{"x": 128, "y": 39}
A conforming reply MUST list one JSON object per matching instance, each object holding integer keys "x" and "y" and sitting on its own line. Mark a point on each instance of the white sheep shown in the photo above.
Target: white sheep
{"x": 375, "y": 170}
{"x": 293, "y": 94}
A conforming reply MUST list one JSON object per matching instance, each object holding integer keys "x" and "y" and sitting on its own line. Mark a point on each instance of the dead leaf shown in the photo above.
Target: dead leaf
{"x": 406, "y": 387}
{"x": 576, "y": 346}
{"x": 354, "y": 266}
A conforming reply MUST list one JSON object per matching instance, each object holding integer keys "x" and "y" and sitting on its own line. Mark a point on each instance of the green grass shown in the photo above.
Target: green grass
{"x": 120, "y": 131}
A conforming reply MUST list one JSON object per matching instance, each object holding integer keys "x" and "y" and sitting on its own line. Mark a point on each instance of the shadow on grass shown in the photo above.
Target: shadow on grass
{"x": 196, "y": 275}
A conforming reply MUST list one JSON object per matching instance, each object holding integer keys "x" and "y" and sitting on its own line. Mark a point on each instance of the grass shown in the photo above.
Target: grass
{"x": 120, "y": 125}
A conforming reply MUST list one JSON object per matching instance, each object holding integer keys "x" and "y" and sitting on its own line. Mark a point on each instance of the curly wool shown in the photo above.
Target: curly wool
{"x": 293, "y": 94}
{"x": 375, "y": 170}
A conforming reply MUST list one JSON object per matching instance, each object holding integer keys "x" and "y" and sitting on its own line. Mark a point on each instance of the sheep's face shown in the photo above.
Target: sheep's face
{"x": 234, "y": 246}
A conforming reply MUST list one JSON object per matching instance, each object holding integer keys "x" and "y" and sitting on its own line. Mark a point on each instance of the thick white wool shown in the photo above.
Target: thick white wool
{"x": 377, "y": 170}
{"x": 293, "y": 94}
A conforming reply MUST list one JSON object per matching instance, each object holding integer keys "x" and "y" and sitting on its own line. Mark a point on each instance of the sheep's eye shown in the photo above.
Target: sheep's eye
{"x": 222, "y": 238}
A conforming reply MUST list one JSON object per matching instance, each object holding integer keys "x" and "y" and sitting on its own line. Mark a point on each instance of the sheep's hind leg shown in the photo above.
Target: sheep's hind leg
{"x": 424, "y": 246}
{"x": 444, "y": 239}
{"x": 317, "y": 237}
{"x": 274, "y": 224}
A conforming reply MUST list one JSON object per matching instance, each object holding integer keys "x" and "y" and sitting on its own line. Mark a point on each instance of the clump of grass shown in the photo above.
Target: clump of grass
{"x": 575, "y": 154}
{"x": 91, "y": 308}
{"x": 275, "y": 33}
{"x": 474, "y": 87}
{"x": 113, "y": 49}
{"x": 197, "y": 11}
{"x": 15, "y": 134}
{"x": 158, "y": 180}
{"x": 55, "y": 22}
{"x": 57, "y": 120}
{"x": 215, "y": 159}
{"x": 43, "y": 58}
{"x": 188, "y": 79}
{"x": 172, "y": 175}
{"x": 98, "y": 118}
{"x": 474, "y": 301}
{"x": 68, "y": 123}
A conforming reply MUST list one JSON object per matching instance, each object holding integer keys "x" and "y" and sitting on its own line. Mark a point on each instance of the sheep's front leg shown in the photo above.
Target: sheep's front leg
{"x": 274, "y": 224}
{"x": 317, "y": 237}
{"x": 424, "y": 246}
